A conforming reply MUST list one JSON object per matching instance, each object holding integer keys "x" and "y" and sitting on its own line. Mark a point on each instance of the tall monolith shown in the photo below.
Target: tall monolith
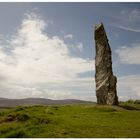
{"x": 106, "y": 92}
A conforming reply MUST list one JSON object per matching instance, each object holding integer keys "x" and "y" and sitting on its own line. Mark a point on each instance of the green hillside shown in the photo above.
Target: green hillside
{"x": 72, "y": 121}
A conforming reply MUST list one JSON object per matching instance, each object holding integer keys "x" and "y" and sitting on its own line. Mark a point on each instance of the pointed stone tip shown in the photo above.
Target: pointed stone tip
{"x": 99, "y": 26}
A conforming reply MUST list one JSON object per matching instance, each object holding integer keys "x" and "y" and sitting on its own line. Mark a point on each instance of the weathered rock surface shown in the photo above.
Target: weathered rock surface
{"x": 105, "y": 80}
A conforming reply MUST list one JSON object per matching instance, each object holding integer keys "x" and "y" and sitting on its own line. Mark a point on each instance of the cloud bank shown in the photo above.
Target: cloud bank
{"x": 33, "y": 64}
{"x": 128, "y": 87}
{"x": 68, "y": 36}
{"x": 129, "y": 54}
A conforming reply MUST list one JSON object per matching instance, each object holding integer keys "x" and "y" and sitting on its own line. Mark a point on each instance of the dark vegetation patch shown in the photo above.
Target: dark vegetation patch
{"x": 50, "y": 112}
{"x": 15, "y": 117}
{"x": 1, "y": 113}
{"x": 130, "y": 105}
{"x": 56, "y": 107}
{"x": 17, "y": 134}
{"x": 19, "y": 117}
{"x": 43, "y": 120}
{"x": 19, "y": 109}
{"x": 130, "y": 102}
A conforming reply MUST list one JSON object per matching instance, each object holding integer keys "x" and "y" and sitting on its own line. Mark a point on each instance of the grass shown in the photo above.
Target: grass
{"x": 71, "y": 121}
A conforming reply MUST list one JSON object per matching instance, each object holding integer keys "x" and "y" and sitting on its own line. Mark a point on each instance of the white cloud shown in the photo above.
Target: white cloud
{"x": 68, "y": 36}
{"x": 69, "y": 90}
{"x": 53, "y": 94}
{"x": 129, "y": 55}
{"x": 80, "y": 47}
{"x": 77, "y": 47}
{"x": 68, "y": 95}
{"x": 34, "y": 59}
{"x": 128, "y": 87}
{"x": 131, "y": 15}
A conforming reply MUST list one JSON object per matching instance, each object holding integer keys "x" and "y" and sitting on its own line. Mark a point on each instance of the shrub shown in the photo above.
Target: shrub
{"x": 51, "y": 113}
{"x": 130, "y": 101}
{"x": 137, "y": 102}
{"x": 16, "y": 117}
{"x": 10, "y": 117}
{"x": 19, "y": 109}
{"x": 22, "y": 117}
{"x": 56, "y": 107}
{"x": 1, "y": 113}
{"x": 43, "y": 120}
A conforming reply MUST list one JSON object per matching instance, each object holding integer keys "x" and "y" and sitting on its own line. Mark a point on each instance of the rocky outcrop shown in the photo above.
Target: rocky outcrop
{"x": 105, "y": 80}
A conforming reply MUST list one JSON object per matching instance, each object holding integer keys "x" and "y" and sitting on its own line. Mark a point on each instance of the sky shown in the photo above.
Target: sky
{"x": 47, "y": 50}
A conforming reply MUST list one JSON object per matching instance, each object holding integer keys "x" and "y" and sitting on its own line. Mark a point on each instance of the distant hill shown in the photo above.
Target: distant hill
{"x": 4, "y": 102}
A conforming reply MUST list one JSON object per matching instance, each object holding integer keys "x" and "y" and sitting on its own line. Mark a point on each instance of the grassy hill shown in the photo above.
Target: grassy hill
{"x": 72, "y": 121}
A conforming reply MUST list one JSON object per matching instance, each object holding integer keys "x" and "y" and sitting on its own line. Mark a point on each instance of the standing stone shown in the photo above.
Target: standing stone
{"x": 105, "y": 80}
